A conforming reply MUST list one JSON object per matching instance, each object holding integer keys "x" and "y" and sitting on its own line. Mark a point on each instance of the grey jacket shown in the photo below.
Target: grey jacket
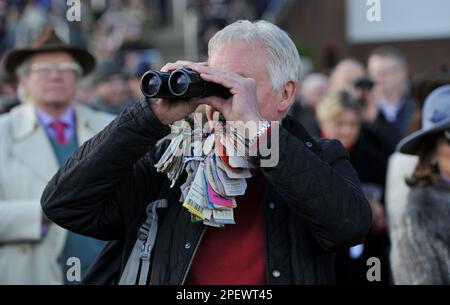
{"x": 422, "y": 237}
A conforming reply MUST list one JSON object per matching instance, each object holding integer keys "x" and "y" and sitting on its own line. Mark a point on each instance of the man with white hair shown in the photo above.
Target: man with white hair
{"x": 311, "y": 91}
{"x": 291, "y": 218}
{"x": 313, "y": 88}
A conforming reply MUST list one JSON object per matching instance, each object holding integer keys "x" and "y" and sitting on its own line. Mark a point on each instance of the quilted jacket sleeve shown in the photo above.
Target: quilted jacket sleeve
{"x": 109, "y": 178}
{"x": 323, "y": 189}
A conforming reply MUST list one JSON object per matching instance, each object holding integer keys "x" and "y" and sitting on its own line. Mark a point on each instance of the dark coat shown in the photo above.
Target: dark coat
{"x": 369, "y": 156}
{"x": 393, "y": 132}
{"x": 313, "y": 201}
{"x": 306, "y": 116}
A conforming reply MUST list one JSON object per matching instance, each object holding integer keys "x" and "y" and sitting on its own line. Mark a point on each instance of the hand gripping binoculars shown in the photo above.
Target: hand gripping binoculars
{"x": 182, "y": 83}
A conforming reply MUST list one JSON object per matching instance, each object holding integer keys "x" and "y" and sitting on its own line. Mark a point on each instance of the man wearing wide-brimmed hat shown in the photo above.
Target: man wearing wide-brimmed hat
{"x": 35, "y": 139}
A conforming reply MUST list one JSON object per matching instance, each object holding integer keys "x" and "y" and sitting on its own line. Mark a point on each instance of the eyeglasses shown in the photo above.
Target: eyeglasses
{"x": 45, "y": 68}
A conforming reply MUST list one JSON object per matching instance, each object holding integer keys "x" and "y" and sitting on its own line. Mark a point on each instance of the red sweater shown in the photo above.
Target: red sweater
{"x": 235, "y": 255}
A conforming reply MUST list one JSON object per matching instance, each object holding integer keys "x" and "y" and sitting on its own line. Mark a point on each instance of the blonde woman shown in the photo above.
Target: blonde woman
{"x": 340, "y": 116}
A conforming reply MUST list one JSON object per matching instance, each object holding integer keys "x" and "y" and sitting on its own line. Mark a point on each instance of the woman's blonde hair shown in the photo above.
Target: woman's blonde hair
{"x": 334, "y": 103}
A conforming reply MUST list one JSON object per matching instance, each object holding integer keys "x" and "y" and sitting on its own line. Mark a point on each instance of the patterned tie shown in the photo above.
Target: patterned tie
{"x": 59, "y": 128}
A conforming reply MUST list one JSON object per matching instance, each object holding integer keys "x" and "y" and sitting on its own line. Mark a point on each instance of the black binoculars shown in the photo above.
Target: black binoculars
{"x": 364, "y": 83}
{"x": 182, "y": 83}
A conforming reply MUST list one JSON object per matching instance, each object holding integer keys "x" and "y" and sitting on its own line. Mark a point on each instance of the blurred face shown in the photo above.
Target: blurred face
{"x": 251, "y": 62}
{"x": 389, "y": 75}
{"x": 442, "y": 156}
{"x": 135, "y": 87}
{"x": 52, "y": 80}
{"x": 345, "y": 75}
{"x": 314, "y": 94}
{"x": 345, "y": 127}
{"x": 114, "y": 90}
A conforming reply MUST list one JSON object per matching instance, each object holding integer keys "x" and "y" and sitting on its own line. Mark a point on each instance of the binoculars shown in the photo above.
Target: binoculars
{"x": 182, "y": 83}
{"x": 364, "y": 83}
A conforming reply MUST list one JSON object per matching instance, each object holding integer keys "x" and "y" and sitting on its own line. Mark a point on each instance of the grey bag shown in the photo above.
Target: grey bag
{"x": 140, "y": 258}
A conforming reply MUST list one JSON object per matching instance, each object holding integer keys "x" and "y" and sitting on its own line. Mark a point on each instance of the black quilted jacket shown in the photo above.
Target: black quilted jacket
{"x": 313, "y": 203}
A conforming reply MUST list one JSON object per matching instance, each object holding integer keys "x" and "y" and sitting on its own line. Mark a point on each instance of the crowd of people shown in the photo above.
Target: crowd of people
{"x": 396, "y": 132}
{"x": 115, "y": 31}
{"x": 119, "y": 33}
{"x": 370, "y": 109}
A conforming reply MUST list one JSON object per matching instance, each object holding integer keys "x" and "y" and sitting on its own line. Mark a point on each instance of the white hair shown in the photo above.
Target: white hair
{"x": 283, "y": 63}
{"x": 314, "y": 80}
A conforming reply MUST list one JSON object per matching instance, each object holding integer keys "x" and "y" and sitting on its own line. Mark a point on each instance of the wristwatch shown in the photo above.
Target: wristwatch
{"x": 265, "y": 126}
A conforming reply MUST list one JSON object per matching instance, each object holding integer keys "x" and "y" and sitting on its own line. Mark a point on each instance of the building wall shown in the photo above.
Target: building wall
{"x": 319, "y": 27}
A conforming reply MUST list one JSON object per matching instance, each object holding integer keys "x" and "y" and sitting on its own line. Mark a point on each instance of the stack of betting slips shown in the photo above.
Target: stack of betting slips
{"x": 216, "y": 169}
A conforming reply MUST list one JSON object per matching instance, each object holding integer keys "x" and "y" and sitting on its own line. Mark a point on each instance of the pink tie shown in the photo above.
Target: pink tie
{"x": 59, "y": 128}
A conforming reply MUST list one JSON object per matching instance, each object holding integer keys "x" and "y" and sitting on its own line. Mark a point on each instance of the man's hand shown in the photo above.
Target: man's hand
{"x": 174, "y": 110}
{"x": 242, "y": 105}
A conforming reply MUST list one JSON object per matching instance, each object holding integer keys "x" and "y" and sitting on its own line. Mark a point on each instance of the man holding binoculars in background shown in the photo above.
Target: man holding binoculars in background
{"x": 290, "y": 220}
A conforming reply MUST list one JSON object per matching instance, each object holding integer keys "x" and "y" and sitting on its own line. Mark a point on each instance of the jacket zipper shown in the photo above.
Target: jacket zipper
{"x": 193, "y": 255}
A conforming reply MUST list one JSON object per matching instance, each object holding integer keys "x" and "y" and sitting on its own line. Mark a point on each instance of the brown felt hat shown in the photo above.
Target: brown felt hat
{"x": 48, "y": 42}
